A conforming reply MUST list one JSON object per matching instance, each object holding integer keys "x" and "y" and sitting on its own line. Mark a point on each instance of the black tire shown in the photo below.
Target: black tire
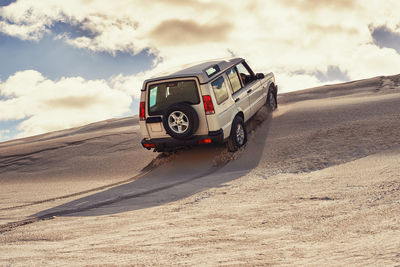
{"x": 238, "y": 136}
{"x": 180, "y": 121}
{"x": 272, "y": 102}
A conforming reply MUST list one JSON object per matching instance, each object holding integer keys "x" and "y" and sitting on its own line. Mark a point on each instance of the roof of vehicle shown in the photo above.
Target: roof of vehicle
{"x": 197, "y": 69}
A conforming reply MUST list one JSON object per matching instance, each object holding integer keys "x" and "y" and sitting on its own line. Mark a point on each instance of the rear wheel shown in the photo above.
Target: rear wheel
{"x": 238, "y": 136}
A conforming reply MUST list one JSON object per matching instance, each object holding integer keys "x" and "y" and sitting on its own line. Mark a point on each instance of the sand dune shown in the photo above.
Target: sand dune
{"x": 318, "y": 183}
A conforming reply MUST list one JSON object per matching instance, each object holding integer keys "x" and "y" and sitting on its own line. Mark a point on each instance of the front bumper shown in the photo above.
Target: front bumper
{"x": 170, "y": 144}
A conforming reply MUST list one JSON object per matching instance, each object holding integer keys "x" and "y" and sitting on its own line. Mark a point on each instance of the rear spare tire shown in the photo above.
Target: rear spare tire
{"x": 180, "y": 121}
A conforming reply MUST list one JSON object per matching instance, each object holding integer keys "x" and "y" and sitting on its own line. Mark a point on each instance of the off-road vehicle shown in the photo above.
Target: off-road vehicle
{"x": 204, "y": 103}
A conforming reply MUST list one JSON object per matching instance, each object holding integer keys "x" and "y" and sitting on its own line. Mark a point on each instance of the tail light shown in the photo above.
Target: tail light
{"x": 205, "y": 141}
{"x": 142, "y": 112}
{"x": 149, "y": 145}
{"x": 208, "y": 105}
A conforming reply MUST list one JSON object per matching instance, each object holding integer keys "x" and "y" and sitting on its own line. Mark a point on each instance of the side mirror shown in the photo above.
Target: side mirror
{"x": 260, "y": 76}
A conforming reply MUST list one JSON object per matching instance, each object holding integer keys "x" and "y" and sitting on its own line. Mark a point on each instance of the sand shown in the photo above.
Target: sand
{"x": 317, "y": 184}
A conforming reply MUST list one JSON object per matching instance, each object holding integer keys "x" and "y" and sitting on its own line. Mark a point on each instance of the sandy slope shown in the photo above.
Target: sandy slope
{"x": 70, "y": 161}
{"x": 318, "y": 183}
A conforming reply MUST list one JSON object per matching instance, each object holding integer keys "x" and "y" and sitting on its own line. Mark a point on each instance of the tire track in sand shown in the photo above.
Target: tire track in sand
{"x": 146, "y": 171}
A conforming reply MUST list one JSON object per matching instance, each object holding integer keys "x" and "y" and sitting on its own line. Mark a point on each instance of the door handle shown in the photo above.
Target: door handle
{"x": 237, "y": 99}
{"x": 249, "y": 91}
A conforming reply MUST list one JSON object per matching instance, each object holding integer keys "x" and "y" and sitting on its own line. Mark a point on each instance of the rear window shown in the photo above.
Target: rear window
{"x": 220, "y": 91}
{"x": 162, "y": 95}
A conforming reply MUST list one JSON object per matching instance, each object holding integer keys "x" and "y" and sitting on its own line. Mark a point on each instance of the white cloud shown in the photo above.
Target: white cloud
{"x": 369, "y": 61}
{"x": 131, "y": 85}
{"x": 282, "y": 36}
{"x": 294, "y": 82}
{"x": 28, "y": 22}
{"x": 47, "y": 105}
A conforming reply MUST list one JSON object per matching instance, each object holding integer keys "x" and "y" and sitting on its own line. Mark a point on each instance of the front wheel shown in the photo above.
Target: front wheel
{"x": 272, "y": 104}
{"x": 238, "y": 136}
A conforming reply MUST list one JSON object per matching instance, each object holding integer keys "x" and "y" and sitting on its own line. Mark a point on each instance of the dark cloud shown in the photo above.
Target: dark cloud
{"x": 177, "y": 2}
{"x": 312, "y": 5}
{"x": 72, "y": 102}
{"x": 182, "y": 32}
{"x": 251, "y": 6}
{"x": 331, "y": 29}
{"x": 333, "y": 73}
{"x": 384, "y": 37}
{"x": 192, "y": 4}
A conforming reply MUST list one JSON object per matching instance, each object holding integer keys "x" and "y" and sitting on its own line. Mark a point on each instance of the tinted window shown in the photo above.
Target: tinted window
{"x": 244, "y": 74}
{"x": 153, "y": 96}
{"x": 163, "y": 95}
{"x": 220, "y": 90}
{"x": 234, "y": 79}
{"x": 212, "y": 70}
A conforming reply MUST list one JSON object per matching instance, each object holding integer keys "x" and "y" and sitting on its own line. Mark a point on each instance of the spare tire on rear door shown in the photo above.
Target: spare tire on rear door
{"x": 180, "y": 121}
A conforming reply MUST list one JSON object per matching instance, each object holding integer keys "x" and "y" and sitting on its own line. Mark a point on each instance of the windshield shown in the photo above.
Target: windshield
{"x": 162, "y": 95}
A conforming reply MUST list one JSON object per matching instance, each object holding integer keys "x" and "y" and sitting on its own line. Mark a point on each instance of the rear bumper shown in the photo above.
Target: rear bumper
{"x": 168, "y": 144}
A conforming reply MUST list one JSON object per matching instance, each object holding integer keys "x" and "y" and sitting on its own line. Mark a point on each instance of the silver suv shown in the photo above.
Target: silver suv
{"x": 205, "y": 103}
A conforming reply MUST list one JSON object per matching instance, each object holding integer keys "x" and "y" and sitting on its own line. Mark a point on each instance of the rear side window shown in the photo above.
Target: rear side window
{"x": 220, "y": 90}
{"x": 234, "y": 79}
{"x": 153, "y": 96}
{"x": 162, "y": 95}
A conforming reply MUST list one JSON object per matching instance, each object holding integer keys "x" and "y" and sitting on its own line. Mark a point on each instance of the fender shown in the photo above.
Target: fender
{"x": 239, "y": 112}
{"x": 269, "y": 79}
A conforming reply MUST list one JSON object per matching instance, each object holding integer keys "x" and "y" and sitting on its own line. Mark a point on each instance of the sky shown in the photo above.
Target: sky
{"x": 69, "y": 63}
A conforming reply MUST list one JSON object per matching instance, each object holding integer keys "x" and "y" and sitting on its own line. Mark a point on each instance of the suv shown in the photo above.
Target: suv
{"x": 205, "y": 103}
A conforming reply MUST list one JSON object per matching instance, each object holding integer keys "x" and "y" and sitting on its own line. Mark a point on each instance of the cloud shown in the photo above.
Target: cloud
{"x": 369, "y": 61}
{"x": 299, "y": 37}
{"x": 131, "y": 84}
{"x": 24, "y": 32}
{"x": 333, "y": 73}
{"x": 179, "y": 32}
{"x": 28, "y": 22}
{"x": 45, "y": 105}
{"x": 384, "y": 37}
{"x": 293, "y": 82}
{"x": 314, "y": 5}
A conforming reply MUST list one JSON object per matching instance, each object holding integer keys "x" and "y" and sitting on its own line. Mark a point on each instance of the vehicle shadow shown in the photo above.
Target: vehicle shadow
{"x": 180, "y": 176}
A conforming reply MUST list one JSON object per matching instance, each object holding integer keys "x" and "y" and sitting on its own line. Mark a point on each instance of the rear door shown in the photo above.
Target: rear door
{"x": 224, "y": 104}
{"x": 162, "y": 94}
{"x": 239, "y": 93}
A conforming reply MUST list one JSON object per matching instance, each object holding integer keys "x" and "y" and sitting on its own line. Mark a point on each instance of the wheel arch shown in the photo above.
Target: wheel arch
{"x": 228, "y": 130}
{"x": 240, "y": 114}
{"x": 273, "y": 86}
{"x": 233, "y": 143}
